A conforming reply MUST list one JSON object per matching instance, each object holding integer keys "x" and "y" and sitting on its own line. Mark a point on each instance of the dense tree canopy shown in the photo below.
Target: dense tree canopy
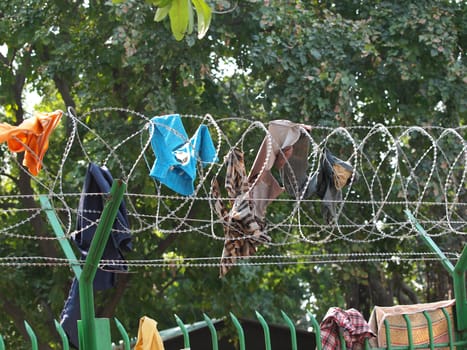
{"x": 321, "y": 63}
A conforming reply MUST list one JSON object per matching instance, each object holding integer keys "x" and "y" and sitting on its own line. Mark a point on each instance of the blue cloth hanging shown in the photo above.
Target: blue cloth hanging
{"x": 98, "y": 180}
{"x": 177, "y": 155}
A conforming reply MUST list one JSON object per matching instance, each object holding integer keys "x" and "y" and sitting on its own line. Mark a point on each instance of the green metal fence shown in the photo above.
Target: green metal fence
{"x": 90, "y": 326}
{"x": 455, "y": 339}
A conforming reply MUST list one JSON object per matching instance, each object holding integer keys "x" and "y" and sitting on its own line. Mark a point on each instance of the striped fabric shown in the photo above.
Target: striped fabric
{"x": 242, "y": 230}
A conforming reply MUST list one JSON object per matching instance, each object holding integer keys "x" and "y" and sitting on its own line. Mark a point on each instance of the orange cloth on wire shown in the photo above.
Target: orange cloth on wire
{"x": 148, "y": 335}
{"x": 31, "y": 137}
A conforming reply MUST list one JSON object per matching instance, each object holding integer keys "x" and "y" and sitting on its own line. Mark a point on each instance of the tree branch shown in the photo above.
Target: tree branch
{"x": 110, "y": 306}
{"x": 4, "y": 61}
{"x": 64, "y": 89}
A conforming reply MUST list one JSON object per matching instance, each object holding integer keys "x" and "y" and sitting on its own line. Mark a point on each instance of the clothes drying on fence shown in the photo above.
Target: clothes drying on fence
{"x": 418, "y": 322}
{"x": 98, "y": 181}
{"x": 31, "y": 137}
{"x": 148, "y": 335}
{"x": 294, "y": 173}
{"x": 177, "y": 155}
{"x": 350, "y": 323}
{"x": 327, "y": 183}
{"x": 276, "y": 148}
{"x": 242, "y": 230}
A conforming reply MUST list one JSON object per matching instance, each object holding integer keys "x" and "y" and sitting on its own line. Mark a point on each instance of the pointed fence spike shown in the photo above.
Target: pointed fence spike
{"x": 124, "y": 334}
{"x": 267, "y": 336}
{"x": 293, "y": 332}
{"x": 32, "y": 336}
{"x": 241, "y": 334}
{"x": 186, "y": 337}
{"x": 63, "y": 337}
{"x": 213, "y": 331}
{"x": 316, "y": 329}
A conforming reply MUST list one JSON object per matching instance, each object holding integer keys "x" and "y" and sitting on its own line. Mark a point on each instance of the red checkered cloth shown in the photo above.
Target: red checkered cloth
{"x": 350, "y": 322}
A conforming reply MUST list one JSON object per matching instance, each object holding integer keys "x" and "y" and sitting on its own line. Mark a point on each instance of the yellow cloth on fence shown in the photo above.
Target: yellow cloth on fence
{"x": 31, "y": 137}
{"x": 148, "y": 335}
{"x": 419, "y": 323}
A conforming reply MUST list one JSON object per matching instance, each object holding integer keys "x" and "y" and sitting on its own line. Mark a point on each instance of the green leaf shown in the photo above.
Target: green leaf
{"x": 160, "y": 3}
{"x": 315, "y": 53}
{"x": 191, "y": 20}
{"x": 179, "y": 14}
{"x": 161, "y": 13}
{"x": 204, "y": 17}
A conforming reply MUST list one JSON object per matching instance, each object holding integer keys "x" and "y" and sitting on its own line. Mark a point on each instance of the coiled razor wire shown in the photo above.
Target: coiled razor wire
{"x": 421, "y": 169}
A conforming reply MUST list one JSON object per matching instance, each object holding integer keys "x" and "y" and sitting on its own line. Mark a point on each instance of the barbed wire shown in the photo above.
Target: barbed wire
{"x": 420, "y": 169}
{"x": 254, "y": 260}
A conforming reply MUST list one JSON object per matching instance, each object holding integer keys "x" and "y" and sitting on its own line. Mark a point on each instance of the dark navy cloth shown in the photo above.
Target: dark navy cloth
{"x": 98, "y": 180}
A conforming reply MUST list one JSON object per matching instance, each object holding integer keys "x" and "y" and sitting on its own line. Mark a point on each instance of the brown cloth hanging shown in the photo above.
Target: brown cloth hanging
{"x": 243, "y": 231}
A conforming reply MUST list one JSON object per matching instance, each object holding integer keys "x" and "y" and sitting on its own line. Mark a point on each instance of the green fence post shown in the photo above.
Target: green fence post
{"x": 87, "y": 327}
{"x": 430, "y": 329}
{"x": 63, "y": 337}
{"x": 2, "y": 344}
{"x": 241, "y": 334}
{"x": 293, "y": 332}
{"x": 32, "y": 336}
{"x": 342, "y": 339}
{"x": 124, "y": 334}
{"x": 62, "y": 239}
{"x": 387, "y": 330}
{"x": 450, "y": 331}
{"x": 460, "y": 292}
{"x": 317, "y": 330}
{"x": 458, "y": 275}
{"x": 267, "y": 337}
{"x": 212, "y": 329}
{"x": 186, "y": 337}
{"x": 409, "y": 331}
{"x": 444, "y": 260}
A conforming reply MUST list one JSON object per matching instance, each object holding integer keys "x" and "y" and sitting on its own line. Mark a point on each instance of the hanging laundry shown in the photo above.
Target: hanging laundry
{"x": 31, "y": 137}
{"x": 98, "y": 180}
{"x": 294, "y": 173}
{"x": 243, "y": 231}
{"x": 327, "y": 183}
{"x": 277, "y": 147}
{"x": 177, "y": 155}
{"x": 351, "y": 323}
{"x": 397, "y": 324}
{"x": 148, "y": 335}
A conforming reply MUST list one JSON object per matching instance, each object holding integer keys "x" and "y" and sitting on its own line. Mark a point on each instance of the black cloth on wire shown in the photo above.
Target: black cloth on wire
{"x": 326, "y": 183}
{"x": 97, "y": 184}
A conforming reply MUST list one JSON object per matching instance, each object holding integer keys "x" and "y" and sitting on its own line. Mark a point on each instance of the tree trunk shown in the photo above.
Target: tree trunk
{"x": 64, "y": 89}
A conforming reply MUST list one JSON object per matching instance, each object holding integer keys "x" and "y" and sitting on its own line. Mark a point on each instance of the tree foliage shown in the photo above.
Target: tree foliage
{"x": 321, "y": 63}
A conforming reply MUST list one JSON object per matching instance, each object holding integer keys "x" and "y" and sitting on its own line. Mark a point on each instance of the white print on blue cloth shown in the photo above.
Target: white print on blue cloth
{"x": 177, "y": 155}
